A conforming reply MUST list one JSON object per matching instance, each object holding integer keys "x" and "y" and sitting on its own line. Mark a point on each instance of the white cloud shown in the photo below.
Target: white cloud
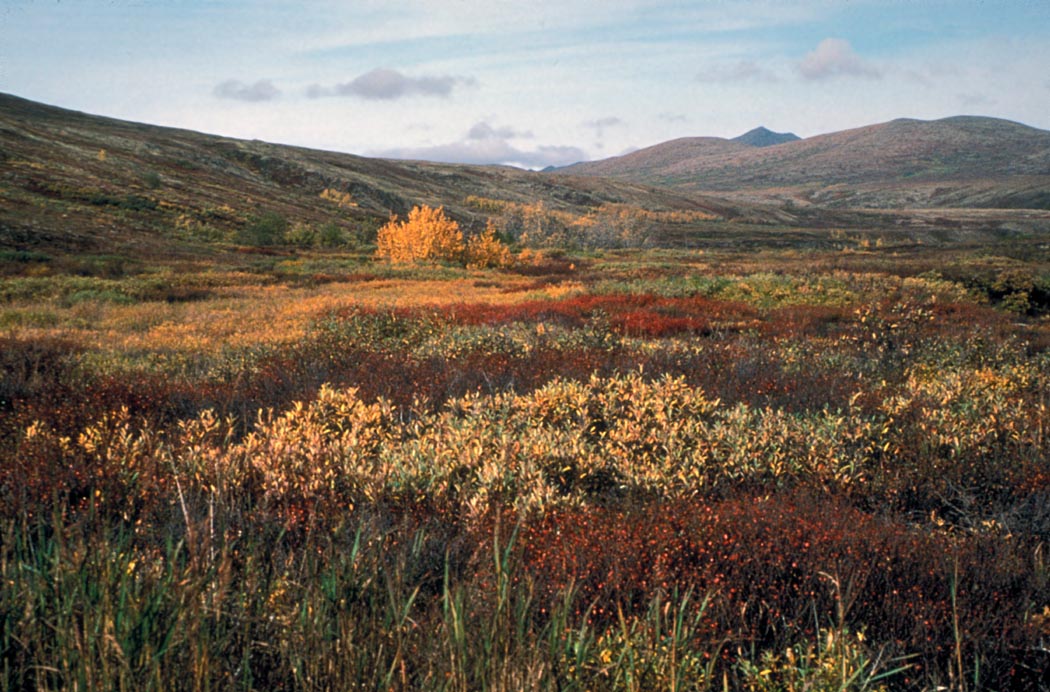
{"x": 482, "y": 130}
{"x": 599, "y": 125}
{"x": 484, "y": 144}
{"x": 735, "y": 73}
{"x": 546, "y": 66}
{"x": 382, "y": 21}
{"x": 835, "y": 57}
{"x": 385, "y": 84}
{"x": 262, "y": 90}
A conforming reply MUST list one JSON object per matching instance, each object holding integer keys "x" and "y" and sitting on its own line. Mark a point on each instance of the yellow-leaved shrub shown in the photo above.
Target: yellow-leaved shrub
{"x": 341, "y": 199}
{"x": 427, "y": 234}
{"x": 486, "y": 250}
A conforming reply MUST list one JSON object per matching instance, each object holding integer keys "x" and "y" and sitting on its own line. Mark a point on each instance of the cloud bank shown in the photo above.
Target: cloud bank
{"x": 482, "y": 131}
{"x": 600, "y": 124}
{"x": 384, "y": 84}
{"x": 485, "y": 144}
{"x": 835, "y": 57}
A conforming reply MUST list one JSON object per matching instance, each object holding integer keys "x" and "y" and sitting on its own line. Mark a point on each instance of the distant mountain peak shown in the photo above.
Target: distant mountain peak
{"x": 763, "y": 137}
{"x": 961, "y": 161}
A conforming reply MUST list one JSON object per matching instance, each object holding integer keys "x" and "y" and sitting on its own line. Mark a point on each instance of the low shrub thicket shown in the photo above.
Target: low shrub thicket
{"x": 612, "y": 491}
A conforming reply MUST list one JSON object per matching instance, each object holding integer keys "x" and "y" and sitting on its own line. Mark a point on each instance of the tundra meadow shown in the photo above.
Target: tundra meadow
{"x": 543, "y": 455}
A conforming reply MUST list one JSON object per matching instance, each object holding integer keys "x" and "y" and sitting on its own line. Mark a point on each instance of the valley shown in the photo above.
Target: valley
{"x": 662, "y": 429}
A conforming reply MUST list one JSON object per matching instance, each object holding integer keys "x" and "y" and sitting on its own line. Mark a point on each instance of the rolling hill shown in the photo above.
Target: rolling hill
{"x": 963, "y": 161}
{"x": 79, "y": 184}
{"x": 74, "y": 182}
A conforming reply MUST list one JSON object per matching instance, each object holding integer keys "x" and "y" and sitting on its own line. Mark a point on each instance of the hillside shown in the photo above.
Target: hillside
{"x": 80, "y": 183}
{"x": 668, "y": 163}
{"x": 77, "y": 184}
{"x": 955, "y": 162}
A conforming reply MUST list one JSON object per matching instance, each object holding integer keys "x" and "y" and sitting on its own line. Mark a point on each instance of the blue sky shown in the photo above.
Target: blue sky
{"x": 526, "y": 83}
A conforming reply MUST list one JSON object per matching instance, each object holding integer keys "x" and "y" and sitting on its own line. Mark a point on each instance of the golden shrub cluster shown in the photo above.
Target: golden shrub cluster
{"x": 530, "y": 224}
{"x": 486, "y": 250}
{"x": 427, "y": 234}
{"x": 340, "y": 199}
{"x": 610, "y": 225}
{"x": 563, "y": 443}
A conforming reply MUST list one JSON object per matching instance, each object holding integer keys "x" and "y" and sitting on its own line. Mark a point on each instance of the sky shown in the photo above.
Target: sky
{"x": 529, "y": 83}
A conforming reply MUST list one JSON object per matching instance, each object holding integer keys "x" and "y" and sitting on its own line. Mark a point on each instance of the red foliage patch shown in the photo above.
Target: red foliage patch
{"x": 804, "y": 320}
{"x": 643, "y": 315}
{"x": 770, "y": 560}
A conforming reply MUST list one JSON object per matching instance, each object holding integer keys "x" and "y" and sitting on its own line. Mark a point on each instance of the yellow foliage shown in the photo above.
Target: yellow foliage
{"x": 610, "y": 225}
{"x": 340, "y": 199}
{"x": 486, "y": 250}
{"x": 496, "y": 206}
{"x": 427, "y": 234}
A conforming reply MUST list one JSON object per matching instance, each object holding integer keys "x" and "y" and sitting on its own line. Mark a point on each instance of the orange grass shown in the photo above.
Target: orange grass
{"x": 247, "y": 315}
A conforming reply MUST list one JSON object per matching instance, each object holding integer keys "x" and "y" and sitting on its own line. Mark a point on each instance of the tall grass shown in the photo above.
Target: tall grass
{"x": 358, "y": 609}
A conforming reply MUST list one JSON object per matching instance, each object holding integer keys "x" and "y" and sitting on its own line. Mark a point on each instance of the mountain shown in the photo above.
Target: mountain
{"x": 963, "y": 161}
{"x": 761, "y": 137}
{"x": 75, "y": 182}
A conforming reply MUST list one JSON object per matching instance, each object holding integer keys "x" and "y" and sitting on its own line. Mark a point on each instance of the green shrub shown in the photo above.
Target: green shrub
{"x": 301, "y": 235}
{"x": 331, "y": 235}
{"x": 23, "y": 256}
{"x": 268, "y": 228}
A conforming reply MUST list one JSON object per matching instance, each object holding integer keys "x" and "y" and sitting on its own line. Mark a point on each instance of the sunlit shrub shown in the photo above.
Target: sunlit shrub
{"x": 341, "y": 199}
{"x": 319, "y": 451}
{"x": 427, "y": 234}
{"x": 486, "y": 250}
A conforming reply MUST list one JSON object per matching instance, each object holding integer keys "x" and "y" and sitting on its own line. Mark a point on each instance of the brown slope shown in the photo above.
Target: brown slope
{"x": 58, "y": 191}
{"x": 870, "y": 166}
{"x": 658, "y": 163}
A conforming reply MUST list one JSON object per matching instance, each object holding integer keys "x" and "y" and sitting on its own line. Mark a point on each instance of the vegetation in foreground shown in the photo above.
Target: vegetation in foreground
{"x": 776, "y": 470}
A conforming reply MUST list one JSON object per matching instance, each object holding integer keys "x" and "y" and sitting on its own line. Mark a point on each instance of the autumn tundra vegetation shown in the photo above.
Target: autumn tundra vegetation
{"x": 281, "y": 419}
{"x": 536, "y": 455}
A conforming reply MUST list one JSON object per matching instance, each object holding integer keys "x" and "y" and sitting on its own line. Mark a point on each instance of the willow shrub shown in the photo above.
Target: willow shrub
{"x": 427, "y": 234}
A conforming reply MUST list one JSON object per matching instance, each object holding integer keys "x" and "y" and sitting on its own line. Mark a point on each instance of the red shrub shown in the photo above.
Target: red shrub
{"x": 784, "y": 565}
{"x": 804, "y": 321}
{"x": 628, "y": 314}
